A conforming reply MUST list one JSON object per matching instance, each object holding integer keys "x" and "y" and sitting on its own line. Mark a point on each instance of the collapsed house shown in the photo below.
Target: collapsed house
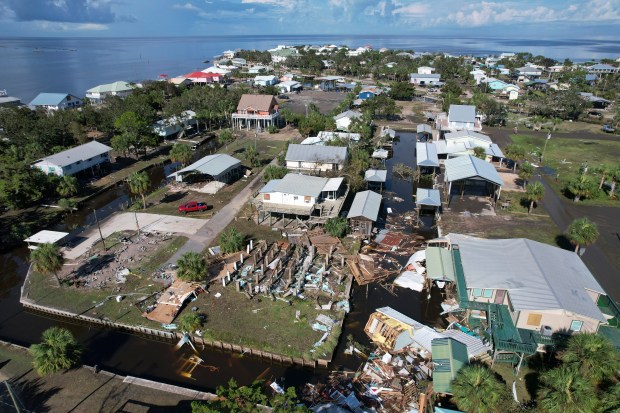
{"x": 170, "y": 302}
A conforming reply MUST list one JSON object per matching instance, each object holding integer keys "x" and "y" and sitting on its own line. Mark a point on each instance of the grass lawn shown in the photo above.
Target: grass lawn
{"x": 77, "y": 390}
{"x": 100, "y": 302}
{"x": 565, "y": 156}
{"x": 261, "y": 323}
{"x": 507, "y": 372}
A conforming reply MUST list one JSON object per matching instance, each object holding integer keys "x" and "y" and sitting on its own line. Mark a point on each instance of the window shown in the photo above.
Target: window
{"x": 534, "y": 319}
{"x": 267, "y": 197}
{"x": 307, "y": 199}
{"x": 477, "y": 292}
{"x": 487, "y": 293}
{"x": 576, "y": 325}
{"x": 295, "y": 198}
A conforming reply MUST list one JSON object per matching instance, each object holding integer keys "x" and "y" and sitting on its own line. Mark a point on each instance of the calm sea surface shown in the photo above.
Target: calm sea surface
{"x": 32, "y": 65}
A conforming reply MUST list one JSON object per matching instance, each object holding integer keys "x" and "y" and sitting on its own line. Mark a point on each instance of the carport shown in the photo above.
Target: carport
{"x": 475, "y": 176}
{"x": 219, "y": 167}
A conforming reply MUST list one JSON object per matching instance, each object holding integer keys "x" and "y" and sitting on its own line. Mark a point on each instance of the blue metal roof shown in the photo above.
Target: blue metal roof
{"x": 48, "y": 99}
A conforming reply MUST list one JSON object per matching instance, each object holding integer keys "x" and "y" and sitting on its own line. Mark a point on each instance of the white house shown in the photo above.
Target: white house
{"x": 425, "y": 79}
{"x": 258, "y": 69}
{"x": 602, "y": 69}
{"x": 425, "y": 70}
{"x": 267, "y": 80}
{"x": 463, "y": 117}
{"x": 344, "y": 119}
{"x": 74, "y": 160}
{"x": 464, "y": 142}
{"x": 98, "y": 93}
{"x": 298, "y": 194}
{"x": 281, "y": 53}
{"x": 289, "y": 86}
{"x": 175, "y": 124}
{"x": 218, "y": 70}
{"x": 529, "y": 71}
{"x": 55, "y": 101}
{"x": 479, "y": 75}
{"x": 316, "y": 157}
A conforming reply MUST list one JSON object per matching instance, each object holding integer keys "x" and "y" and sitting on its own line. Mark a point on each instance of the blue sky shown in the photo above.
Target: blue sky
{"x": 551, "y": 19}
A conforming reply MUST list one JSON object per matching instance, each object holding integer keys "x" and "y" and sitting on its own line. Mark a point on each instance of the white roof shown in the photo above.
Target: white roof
{"x": 213, "y": 165}
{"x": 537, "y": 276}
{"x": 426, "y": 154}
{"x": 375, "y": 175}
{"x": 467, "y": 134}
{"x": 424, "y": 128}
{"x": 464, "y": 167}
{"x": 46, "y": 237}
{"x": 297, "y": 184}
{"x": 348, "y": 114}
{"x": 462, "y": 113}
{"x": 426, "y": 196}
{"x": 333, "y": 184}
{"x": 119, "y": 86}
{"x": 79, "y": 153}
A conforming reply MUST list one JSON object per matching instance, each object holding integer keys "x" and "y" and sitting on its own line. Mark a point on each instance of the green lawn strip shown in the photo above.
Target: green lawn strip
{"x": 566, "y": 156}
{"x": 260, "y": 322}
{"x": 506, "y": 371}
{"x": 101, "y": 303}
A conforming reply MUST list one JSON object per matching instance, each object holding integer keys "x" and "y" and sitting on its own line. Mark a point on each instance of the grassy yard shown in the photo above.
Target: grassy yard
{"x": 506, "y": 371}
{"x": 78, "y": 390}
{"x": 260, "y": 322}
{"x": 566, "y": 156}
{"x": 100, "y": 302}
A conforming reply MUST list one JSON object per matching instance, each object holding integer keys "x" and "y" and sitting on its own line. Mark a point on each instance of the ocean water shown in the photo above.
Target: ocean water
{"x": 29, "y": 66}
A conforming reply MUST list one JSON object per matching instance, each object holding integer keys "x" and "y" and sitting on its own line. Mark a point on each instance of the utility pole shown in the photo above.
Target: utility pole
{"x": 542, "y": 157}
{"x": 98, "y": 226}
{"x": 135, "y": 214}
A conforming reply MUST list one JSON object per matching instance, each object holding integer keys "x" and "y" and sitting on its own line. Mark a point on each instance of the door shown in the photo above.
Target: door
{"x": 499, "y": 296}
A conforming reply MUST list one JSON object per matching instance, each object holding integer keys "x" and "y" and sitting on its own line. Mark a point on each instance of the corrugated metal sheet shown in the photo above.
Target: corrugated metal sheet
{"x": 303, "y": 185}
{"x": 316, "y": 153}
{"x": 398, "y": 316}
{"x": 537, "y": 276}
{"x": 426, "y": 154}
{"x": 79, "y": 153}
{"x": 348, "y": 114}
{"x": 375, "y": 175}
{"x": 333, "y": 184}
{"x": 213, "y": 165}
{"x": 439, "y": 264}
{"x": 365, "y": 204}
{"x": 426, "y": 196}
{"x": 449, "y": 356}
{"x": 465, "y": 167}
{"x": 467, "y": 134}
{"x": 424, "y": 128}
{"x": 270, "y": 186}
{"x": 494, "y": 150}
{"x": 475, "y": 346}
{"x": 462, "y": 113}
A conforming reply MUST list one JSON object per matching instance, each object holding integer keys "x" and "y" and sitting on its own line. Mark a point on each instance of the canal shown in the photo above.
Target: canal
{"x": 129, "y": 354}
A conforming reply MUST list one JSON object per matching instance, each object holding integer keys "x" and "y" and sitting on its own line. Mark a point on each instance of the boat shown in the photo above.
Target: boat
{"x": 170, "y": 326}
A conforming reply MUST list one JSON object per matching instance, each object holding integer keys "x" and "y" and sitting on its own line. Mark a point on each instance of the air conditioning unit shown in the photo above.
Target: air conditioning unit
{"x": 546, "y": 331}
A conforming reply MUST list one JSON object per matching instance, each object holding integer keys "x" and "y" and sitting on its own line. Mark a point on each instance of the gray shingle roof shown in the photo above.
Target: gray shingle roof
{"x": 365, "y": 204}
{"x": 426, "y": 154}
{"x": 464, "y": 167}
{"x": 537, "y": 276}
{"x": 79, "y": 153}
{"x": 316, "y": 153}
{"x": 462, "y": 113}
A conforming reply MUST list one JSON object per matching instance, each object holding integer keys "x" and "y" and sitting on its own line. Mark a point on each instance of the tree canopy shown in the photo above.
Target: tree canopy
{"x": 57, "y": 351}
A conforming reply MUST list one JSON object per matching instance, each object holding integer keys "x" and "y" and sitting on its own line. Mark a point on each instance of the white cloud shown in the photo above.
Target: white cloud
{"x": 188, "y": 7}
{"x": 70, "y": 27}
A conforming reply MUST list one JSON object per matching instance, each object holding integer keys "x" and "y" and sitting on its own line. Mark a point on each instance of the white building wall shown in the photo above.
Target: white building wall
{"x": 288, "y": 199}
{"x": 50, "y": 168}
{"x": 315, "y": 166}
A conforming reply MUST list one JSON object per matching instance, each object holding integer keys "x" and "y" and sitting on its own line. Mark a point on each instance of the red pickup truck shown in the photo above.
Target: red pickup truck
{"x": 193, "y": 207}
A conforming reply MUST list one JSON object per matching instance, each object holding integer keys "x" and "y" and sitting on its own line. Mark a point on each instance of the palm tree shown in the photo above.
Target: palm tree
{"x": 251, "y": 154}
{"x": 581, "y": 187}
{"x": 614, "y": 176}
{"x": 593, "y": 355}
{"x": 582, "y": 232}
{"x": 534, "y": 193}
{"x": 67, "y": 186}
{"x": 516, "y": 153}
{"x": 605, "y": 171}
{"x": 190, "y": 322}
{"x": 526, "y": 170}
{"x": 181, "y": 153}
{"x": 192, "y": 267}
{"x": 565, "y": 390}
{"x": 476, "y": 389}
{"x": 139, "y": 184}
{"x": 47, "y": 259}
{"x": 57, "y": 351}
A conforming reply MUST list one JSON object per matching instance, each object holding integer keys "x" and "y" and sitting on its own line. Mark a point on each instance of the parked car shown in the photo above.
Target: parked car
{"x": 193, "y": 207}
{"x": 283, "y": 97}
{"x": 608, "y": 129}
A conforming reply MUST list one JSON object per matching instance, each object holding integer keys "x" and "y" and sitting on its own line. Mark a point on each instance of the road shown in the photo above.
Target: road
{"x": 208, "y": 233}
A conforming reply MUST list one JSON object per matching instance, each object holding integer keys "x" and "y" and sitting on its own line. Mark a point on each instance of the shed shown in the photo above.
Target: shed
{"x": 473, "y": 173}
{"x": 364, "y": 212}
{"x": 449, "y": 356}
{"x": 424, "y": 129}
{"x": 45, "y": 237}
{"x": 220, "y": 167}
{"x": 426, "y": 154}
{"x": 428, "y": 197}
{"x": 375, "y": 177}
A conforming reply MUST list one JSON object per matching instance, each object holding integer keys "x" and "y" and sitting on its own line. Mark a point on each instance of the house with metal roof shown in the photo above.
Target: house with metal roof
{"x": 425, "y": 79}
{"x": 426, "y": 156}
{"x": 55, "y": 101}
{"x": 265, "y": 80}
{"x": 364, "y": 213}
{"x": 219, "y": 167}
{"x": 473, "y": 175}
{"x": 289, "y": 86}
{"x": 99, "y": 93}
{"x": 424, "y": 131}
{"x": 8, "y": 101}
{"x": 343, "y": 120}
{"x": 464, "y": 142}
{"x": 602, "y": 69}
{"x": 428, "y": 197}
{"x": 596, "y": 101}
{"x": 300, "y": 195}
{"x": 256, "y": 111}
{"x": 88, "y": 156}
{"x": 173, "y": 126}
{"x": 527, "y": 291}
{"x": 315, "y": 157}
